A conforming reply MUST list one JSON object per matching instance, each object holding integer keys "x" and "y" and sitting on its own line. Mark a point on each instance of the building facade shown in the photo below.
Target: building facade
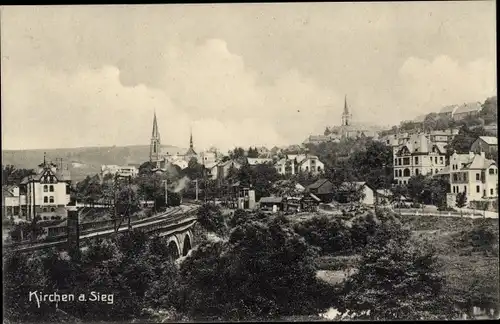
{"x": 473, "y": 174}
{"x": 418, "y": 156}
{"x": 294, "y": 163}
{"x": 486, "y": 144}
{"x": 467, "y": 109}
{"x": 45, "y": 194}
{"x": 122, "y": 171}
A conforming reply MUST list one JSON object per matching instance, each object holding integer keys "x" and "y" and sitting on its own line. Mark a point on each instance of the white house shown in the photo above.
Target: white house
{"x": 46, "y": 193}
{"x": 417, "y": 156}
{"x": 295, "y": 163}
{"x": 473, "y": 174}
{"x": 10, "y": 201}
{"x": 257, "y": 161}
{"x": 123, "y": 171}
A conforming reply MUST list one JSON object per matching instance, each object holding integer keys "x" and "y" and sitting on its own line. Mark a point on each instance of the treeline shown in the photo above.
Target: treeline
{"x": 433, "y": 121}
{"x": 249, "y": 266}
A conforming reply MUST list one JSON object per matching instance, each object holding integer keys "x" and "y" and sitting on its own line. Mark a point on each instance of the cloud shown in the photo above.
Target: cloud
{"x": 431, "y": 85}
{"x": 202, "y": 85}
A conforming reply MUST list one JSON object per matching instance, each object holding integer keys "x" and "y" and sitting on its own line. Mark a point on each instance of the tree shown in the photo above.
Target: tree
{"x": 237, "y": 154}
{"x": 253, "y": 152}
{"x": 462, "y": 142}
{"x": 461, "y": 200}
{"x": 373, "y": 164}
{"x": 11, "y": 175}
{"x": 327, "y": 131}
{"x": 489, "y": 110}
{"x": 397, "y": 280}
{"x": 126, "y": 204}
{"x": 264, "y": 271}
{"x": 331, "y": 235}
{"x": 211, "y": 219}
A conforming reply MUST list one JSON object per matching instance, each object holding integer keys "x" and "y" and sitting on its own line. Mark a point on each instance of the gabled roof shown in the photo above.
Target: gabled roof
{"x": 318, "y": 184}
{"x": 449, "y": 109}
{"x": 479, "y": 163}
{"x": 444, "y": 171}
{"x": 255, "y": 161}
{"x": 469, "y": 107}
{"x": 271, "y": 200}
{"x": 490, "y": 140}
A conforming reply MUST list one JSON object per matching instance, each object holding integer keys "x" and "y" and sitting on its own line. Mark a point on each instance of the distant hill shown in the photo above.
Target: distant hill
{"x": 82, "y": 161}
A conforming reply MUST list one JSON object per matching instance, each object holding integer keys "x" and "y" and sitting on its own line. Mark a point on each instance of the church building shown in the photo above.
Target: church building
{"x": 161, "y": 156}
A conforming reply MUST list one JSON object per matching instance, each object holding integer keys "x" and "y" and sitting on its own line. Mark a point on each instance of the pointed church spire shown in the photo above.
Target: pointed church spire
{"x": 155, "y": 133}
{"x": 346, "y": 109}
{"x": 191, "y": 137}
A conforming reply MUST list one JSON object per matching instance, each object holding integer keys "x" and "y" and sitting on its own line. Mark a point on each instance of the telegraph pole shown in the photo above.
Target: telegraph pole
{"x": 196, "y": 189}
{"x": 166, "y": 193}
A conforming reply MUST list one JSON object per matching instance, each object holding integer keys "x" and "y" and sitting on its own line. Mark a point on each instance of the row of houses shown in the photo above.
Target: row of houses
{"x": 455, "y": 112}
{"x": 472, "y": 173}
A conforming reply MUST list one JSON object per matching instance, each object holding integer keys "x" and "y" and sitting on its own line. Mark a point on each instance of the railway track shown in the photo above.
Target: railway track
{"x": 173, "y": 216}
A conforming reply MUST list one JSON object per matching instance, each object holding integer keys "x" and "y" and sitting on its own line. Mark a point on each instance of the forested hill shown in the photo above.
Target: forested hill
{"x": 82, "y": 160}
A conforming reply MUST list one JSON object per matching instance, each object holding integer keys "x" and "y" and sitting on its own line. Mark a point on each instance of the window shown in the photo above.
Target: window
{"x": 416, "y": 159}
{"x": 436, "y": 171}
{"x": 455, "y": 177}
{"x": 51, "y": 199}
{"x": 395, "y": 173}
{"x": 319, "y": 169}
{"x": 307, "y": 168}
{"x": 52, "y": 209}
{"x": 400, "y": 172}
{"x": 491, "y": 191}
{"x": 51, "y": 188}
{"x": 491, "y": 171}
{"x": 431, "y": 171}
{"x": 45, "y": 188}
{"x": 441, "y": 159}
{"x": 465, "y": 189}
{"x": 478, "y": 189}
{"x": 44, "y": 209}
{"x": 478, "y": 176}
{"x": 406, "y": 172}
{"x": 417, "y": 171}
{"x": 45, "y": 199}
{"x": 436, "y": 159}
{"x": 406, "y": 161}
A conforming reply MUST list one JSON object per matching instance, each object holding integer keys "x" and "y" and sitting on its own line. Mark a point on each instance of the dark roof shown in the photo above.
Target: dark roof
{"x": 274, "y": 200}
{"x": 317, "y": 184}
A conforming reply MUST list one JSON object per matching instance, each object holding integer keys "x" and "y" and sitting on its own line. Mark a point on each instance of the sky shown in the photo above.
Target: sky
{"x": 237, "y": 74}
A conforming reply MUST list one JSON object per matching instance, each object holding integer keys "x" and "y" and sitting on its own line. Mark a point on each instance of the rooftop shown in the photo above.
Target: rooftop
{"x": 490, "y": 140}
{"x": 469, "y": 107}
{"x": 448, "y": 109}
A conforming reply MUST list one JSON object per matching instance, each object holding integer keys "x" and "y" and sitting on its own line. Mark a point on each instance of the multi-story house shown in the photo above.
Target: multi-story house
{"x": 442, "y": 136}
{"x": 46, "y": 193}
{"x": 10, "y": 201}
{"x": 448, "y": 111}
{"x": 295, "y": 163}
{"x": 220, "y": 170}
{"x": 473, "y": 174}
{"x": 418, "y": 156}
{"x": 486, "y": 144}
{"x": 467, "y": 109}
{"x": 122, "y": 171}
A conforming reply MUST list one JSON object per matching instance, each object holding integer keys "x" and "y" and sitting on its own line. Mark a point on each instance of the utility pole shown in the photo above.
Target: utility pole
{"x": 166, "y": 193}
{"x": 129, "y": 201}
{"x": 196, "y": 189}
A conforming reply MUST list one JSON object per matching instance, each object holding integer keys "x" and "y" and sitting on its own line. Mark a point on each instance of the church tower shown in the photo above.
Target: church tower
{"x": 346, "y": 116}
{"x": 155, "y": 145}
{"x": 191, "y": 153}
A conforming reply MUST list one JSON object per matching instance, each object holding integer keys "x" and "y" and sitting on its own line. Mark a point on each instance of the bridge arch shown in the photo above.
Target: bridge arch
{"x": 187, "y": 243}
{"x": 173, "y": 247}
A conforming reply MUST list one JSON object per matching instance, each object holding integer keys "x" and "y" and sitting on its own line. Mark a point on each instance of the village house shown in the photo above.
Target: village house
{"x": 323, "y": 189}
{"x": 448, "y": 111}
{"x": 418, "y": 156}
{"x": 256, "y": 161}
{"x": 473, "y": 174}
{"x": 442, "y": 136}
{"x": 45, "y": 194}
{"x": 467, "y": 109}
{"x": 294, "y": 163}
{"x": 491, "y": 129}
{"x": 10, "y": 201}
{"x": 220, "y": 170}
{"x": 369, "y": 195}
{"x": 122, "y": 171}
{"x": 486, "y": 144}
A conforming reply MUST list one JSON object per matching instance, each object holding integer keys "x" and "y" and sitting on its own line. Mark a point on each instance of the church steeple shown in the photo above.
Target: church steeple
{"x": 155, "y": 144}
{"x": 191, "y": 138}
{"x": 346, "y": 116}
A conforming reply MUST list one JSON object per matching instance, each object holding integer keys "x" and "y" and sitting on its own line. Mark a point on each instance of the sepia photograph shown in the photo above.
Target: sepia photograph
{"x": 264, "y": 162}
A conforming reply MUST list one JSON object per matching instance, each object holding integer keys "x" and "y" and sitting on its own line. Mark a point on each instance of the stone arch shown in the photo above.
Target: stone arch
{"x": 186, "y": 244}
{"x": 173, "y": 247}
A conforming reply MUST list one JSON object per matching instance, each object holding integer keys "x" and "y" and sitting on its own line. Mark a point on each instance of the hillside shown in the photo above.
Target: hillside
{"x": 83, "y": 161}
